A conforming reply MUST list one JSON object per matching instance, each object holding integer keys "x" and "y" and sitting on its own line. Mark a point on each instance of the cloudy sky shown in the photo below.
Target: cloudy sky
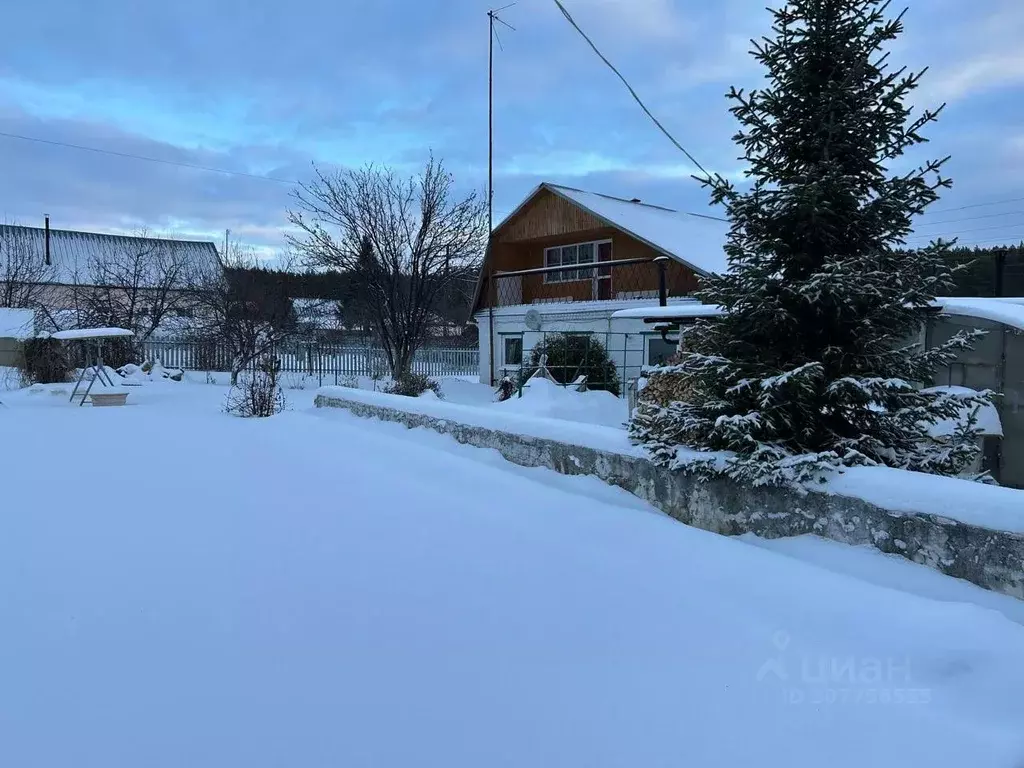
{"x": 267, "y": 88}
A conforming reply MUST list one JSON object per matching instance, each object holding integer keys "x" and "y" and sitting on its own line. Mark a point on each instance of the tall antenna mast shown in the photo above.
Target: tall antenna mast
{"x": 492, "y": 17}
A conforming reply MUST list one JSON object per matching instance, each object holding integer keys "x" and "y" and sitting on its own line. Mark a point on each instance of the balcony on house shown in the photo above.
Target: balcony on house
{"x": 564, "y": 245}
{"x": 563, "y": 279}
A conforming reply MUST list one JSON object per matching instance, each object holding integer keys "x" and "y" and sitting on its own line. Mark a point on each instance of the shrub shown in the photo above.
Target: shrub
{"x": 120, "y": 351}
{"x": 413, "y": 385}
{"x": 258, "y": 394}
{"x": 506, "y": 388}
{"x": 571, "y": 355}
{"x": 46, "y": 362}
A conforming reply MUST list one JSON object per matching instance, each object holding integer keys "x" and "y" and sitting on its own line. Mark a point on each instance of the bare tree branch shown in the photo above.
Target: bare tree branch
{"x": 409, "y": 247}
{"x": 24, "y": 275}
{"x": 136, "y": 283}
{"x": 234, "y": 308}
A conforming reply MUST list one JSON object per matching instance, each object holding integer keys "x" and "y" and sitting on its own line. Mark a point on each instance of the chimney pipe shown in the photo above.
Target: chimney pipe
{"x": 46, "y": 219}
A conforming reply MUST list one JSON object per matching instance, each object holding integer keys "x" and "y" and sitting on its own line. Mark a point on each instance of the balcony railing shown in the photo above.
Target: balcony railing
{"x": 658, "y": 278}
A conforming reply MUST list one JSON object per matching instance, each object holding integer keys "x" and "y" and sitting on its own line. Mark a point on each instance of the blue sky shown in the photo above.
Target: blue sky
{"x": 267, "y": 88}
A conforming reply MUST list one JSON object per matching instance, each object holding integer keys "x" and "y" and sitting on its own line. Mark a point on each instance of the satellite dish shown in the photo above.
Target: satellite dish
{"x": 534, "y": 320}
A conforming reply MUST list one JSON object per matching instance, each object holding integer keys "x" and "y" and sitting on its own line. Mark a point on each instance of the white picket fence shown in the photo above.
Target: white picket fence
{"x": 324, "y": 361}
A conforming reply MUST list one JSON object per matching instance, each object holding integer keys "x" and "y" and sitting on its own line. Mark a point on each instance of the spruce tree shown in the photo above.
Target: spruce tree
{"x": 817, "y": 362}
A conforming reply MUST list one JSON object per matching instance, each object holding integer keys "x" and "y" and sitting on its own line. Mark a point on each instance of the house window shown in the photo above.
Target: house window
{"x": 513, "y": 350}
{"x": 567, "y": 255}
{"x": 659, "y": 350}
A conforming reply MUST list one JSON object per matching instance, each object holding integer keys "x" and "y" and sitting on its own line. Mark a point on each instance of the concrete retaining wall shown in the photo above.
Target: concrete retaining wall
{"x": 989, "y": 558}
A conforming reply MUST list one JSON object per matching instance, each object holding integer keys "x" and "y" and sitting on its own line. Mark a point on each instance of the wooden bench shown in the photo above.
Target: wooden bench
{"x": 106, "y": 399}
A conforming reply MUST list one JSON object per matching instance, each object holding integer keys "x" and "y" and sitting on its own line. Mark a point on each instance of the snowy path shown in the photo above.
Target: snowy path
{"x": 316, "y": 590}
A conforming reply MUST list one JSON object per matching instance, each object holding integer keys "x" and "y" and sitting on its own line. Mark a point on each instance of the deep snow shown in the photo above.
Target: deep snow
{"x": 893, "y": 489}
{"x": 181, "y": 587}
{"x": 546, "y": 399}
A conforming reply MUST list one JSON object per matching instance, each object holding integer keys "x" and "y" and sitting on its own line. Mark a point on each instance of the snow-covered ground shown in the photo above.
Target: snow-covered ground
{"x": 179, "y": 587}
{"x": 538, "y": 398}
{"x": 10, "y": 378}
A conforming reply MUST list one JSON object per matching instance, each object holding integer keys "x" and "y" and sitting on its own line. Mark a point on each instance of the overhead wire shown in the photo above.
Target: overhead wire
{"x": 970, "y": 218}
{"x": 956, "y": 233}
{"x": 633, "y": 93}
{"x": 979, "y": 205}
{"x": 132, "y": 156}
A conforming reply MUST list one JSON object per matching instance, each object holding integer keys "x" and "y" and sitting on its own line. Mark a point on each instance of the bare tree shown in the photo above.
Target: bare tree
{"x": 407, "y": 244}
{"x": 24, "y": 274}
{"x": 136, "y": 283}
{"x": 236, "y": 308}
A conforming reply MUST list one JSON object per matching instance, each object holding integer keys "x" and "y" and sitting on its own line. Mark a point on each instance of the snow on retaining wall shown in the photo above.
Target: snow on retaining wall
{"x": 962, "y": 529}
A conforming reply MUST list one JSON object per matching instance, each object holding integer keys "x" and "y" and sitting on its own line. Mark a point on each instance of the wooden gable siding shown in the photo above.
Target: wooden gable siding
{"x": 547, "y": 215}
{"x": 630, "y": 278}
{"x": 550, "y": 220}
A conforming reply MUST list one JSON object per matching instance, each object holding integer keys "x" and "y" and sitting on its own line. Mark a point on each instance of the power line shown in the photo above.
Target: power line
{"x": 632, "y": 92}
{"x": 143, "y": 157}
{"x": 1014, "y": 239}
{"x": 963, "y": 231}
{"x": 971, "y": 218}
{"x": 979, "y": 205}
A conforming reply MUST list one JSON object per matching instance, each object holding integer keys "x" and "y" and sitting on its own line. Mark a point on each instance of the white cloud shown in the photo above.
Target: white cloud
{"x": 987, "y": 72}
{"x": 632, "y": 18}
{"x": 986, "y": 56}
{"x": 728, "y": 62}
{"x": 572, "y": 163}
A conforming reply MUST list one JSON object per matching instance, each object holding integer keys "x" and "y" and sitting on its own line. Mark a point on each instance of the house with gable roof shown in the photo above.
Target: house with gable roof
{"x": 566, "y": 260}
{"x": 136, "y": 268}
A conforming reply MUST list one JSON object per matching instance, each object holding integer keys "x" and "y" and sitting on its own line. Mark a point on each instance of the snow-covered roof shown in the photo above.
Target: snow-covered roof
{"x": 1009, "y": 311}
{"x": 694, "y": 240}
{"x": 16, "y": 323}
{"x": 610, "y": 307}
{"x": 71, "y": 251}
{"x": 674, "y": 233}
{"x": 680, "y": 311}
{"x": 90, "y": 333}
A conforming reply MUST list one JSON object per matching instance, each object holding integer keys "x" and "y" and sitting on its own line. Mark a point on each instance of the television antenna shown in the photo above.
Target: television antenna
{"x": 493, "y": 20}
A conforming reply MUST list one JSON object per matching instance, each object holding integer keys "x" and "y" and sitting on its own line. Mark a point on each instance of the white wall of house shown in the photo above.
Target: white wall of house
{"x": 630, "y": 342}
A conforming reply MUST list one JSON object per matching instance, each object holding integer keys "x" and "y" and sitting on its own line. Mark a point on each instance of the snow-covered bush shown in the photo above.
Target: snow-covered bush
{"x": 506, "y": 388}
{"x": 412, "y": 384}
{"x": 571, "y": 355}
{"x": 257, "y": 394}
{"x": 149, "y": 371}
{"x": 46, "y": 361}
{"x": 121, "y": 350}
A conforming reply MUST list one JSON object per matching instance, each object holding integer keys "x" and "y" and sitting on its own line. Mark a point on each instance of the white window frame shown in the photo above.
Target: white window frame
{"x": 505, "y": 337}
{"x": 647, "y": 347}
{"x": 559, "y": 277}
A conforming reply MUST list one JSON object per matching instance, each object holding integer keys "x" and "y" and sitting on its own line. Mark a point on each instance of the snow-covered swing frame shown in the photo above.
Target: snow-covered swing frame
{"x": 93, "y": 340}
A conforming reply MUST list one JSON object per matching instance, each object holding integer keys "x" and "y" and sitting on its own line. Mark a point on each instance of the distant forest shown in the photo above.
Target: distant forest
{"x": 275, "y": 284}
{"x": 301, "y": 285}
{"x": 991, "y": 272}
{"x": 995, "y": 271}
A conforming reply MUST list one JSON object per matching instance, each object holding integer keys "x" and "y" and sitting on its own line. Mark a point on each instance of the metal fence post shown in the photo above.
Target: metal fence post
{"x": 490, "y": 320}
{"x": 662, "y": 262}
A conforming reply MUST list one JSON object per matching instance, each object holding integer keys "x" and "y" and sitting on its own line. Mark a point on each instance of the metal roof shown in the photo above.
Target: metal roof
{"x": 664, "y": 229}
{"x": 71, "y": 251}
